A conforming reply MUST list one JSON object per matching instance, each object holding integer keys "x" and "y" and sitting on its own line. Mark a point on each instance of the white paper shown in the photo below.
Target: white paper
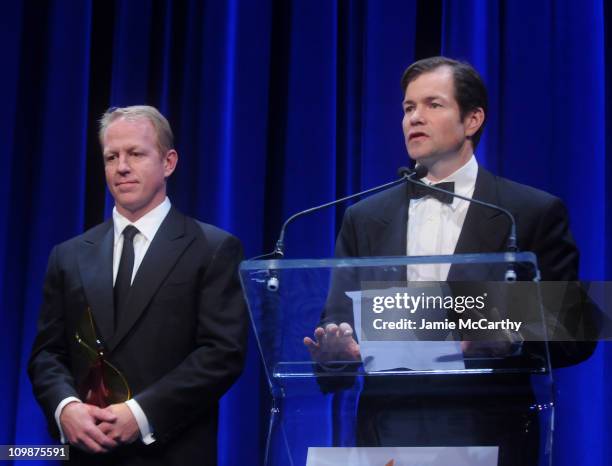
{"x": 402, "y": 354}
{"x": 403, "y": 456}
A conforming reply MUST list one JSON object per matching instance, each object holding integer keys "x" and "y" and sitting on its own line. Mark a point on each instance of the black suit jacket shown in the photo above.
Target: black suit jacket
{"x": 449, "y": 410}
{"x": 377, "y": 226}
{"x": 181, "y": 346}
{"x": 430, "y": 411}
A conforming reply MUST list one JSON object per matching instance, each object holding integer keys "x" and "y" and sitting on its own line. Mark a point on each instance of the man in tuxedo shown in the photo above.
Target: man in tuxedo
{"x": 166, "y": 305}
{"x": 445, "y": 105}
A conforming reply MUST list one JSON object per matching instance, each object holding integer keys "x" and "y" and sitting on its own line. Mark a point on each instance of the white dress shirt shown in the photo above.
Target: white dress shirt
{"x": 434, "y": 227}
{"x": 147, "y": 226}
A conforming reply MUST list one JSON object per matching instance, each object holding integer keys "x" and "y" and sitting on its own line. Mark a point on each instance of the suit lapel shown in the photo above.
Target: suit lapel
{"x": 95, "y": 262}
{"x": 388, "y": 237}
{"x": 484, "y": 229}
{"x": 393, "y": 219}
{"x": 168, "y": 244}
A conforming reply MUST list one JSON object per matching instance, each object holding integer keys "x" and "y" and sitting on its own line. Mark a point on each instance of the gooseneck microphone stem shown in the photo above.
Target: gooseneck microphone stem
{"x": 405, "y": 173}
{"x": 511, "y": 244}
{"x": 280, "y": 244}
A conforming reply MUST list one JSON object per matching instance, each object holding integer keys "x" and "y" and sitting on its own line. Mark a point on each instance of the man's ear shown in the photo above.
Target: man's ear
{"x": 170, "y": 161}
{"x": 473, "y": 121}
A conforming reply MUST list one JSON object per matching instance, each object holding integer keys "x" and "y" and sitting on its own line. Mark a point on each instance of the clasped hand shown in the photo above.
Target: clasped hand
{"x": 97, "y": 430}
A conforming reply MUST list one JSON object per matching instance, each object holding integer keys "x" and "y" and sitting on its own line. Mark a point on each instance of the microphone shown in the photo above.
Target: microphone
{"x": 511, "y": 245}
{"x": 405, "y": 173}
{"x": 420, "y": 171}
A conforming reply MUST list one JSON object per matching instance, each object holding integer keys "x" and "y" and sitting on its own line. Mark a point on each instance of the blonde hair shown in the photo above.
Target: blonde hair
{"x": 165, "y": 138}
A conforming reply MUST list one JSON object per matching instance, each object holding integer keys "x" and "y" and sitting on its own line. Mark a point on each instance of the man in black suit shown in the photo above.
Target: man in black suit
{"x": 166, "y": 303}
{"x": 445, "y": 104}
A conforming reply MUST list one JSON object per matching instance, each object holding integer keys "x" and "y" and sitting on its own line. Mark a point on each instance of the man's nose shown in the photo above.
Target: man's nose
{"x": 416, "y": 117}
{"x": 123, "y": 166}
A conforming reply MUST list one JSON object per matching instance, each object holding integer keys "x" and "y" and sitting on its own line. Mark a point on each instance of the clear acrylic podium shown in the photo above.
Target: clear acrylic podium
{"x": 456, "y": 385}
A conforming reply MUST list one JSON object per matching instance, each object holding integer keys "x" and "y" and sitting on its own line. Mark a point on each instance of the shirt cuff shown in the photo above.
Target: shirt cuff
{"x": 146, "y": 433}
{"x": 58, "y": 412}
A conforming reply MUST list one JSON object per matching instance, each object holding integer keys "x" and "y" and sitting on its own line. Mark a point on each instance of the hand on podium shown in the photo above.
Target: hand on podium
{"x": 500, "y": 343}
{"x": 333, "y": 343}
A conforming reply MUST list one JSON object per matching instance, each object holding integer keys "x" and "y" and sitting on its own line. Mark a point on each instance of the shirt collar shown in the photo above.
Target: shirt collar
{"x": 464, "y": 179}
{"x": 147, "y": 225}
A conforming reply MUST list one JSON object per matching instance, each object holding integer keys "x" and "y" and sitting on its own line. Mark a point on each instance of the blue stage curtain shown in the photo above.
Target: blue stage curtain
{"x": 544, "y": 66}
{"x": 278, "y": 105}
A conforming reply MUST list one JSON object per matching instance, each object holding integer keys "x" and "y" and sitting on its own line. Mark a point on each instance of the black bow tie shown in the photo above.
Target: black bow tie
{"x": 421, "y": 190}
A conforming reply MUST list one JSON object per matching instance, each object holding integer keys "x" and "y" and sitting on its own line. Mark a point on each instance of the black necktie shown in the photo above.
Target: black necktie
{"x": 421, "y": 190}
{"x": 124, "y": 274}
